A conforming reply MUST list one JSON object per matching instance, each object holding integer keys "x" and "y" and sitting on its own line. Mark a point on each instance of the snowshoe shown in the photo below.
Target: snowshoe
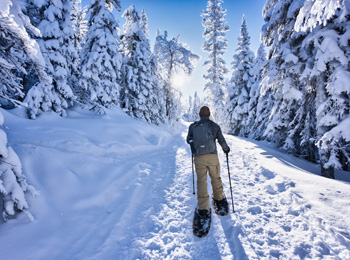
{"x": 201, "y": 222}
{"x": 221, "y": 206}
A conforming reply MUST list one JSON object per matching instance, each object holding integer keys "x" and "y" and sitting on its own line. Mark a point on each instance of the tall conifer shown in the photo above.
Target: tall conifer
{"x": 215, "y": 28}
{"x": 240, "y": 85}
{"x": 141, "y": 94}
{"x": 100, "y": 60}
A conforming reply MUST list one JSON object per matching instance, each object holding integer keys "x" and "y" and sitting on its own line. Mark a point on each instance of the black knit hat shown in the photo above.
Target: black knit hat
{"x": 204, "y": 111}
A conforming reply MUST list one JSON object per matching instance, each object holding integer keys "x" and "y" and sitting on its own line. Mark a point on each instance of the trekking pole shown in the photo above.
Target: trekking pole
{"x": 193, "y": 176}
{"x": 229, "y": 177}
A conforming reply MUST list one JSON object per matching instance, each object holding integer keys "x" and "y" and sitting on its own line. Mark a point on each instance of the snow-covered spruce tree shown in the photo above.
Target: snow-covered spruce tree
{"x": 100, "y": 60}
{"x": 327, "y": 26}
{"x": 283, "y": 71}
{"x": 301, "y": 138}
{"x": 144, "y": 23}
{"x": 187, "y": 108}
{"x": 56, "y": 44}
{"x": 79, "y": 25}
{"x": 307, "y": 71}
{"x": 173, "y": 57}
{"x": 15, "y": 46}
{"x": 196, "y": 107}
{"x": 140, "y": 95}
{"x": 215, "y": 44}
{"x": 240, "y": 84}
{"x": 257, "y": 72}
{"x": 17, "y": 52}
{"x": 192, "y": 110}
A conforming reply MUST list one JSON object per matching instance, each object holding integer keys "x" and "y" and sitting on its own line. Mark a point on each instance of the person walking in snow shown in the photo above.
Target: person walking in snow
{"x": 202, "y": 136}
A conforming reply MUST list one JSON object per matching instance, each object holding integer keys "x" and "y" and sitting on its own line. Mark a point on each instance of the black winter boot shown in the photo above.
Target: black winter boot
{"x": 221, "y": 206}
{"x": 201, "y": 222}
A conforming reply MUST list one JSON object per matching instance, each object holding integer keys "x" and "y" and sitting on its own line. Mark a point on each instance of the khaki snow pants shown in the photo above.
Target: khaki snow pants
{"x": 205, "y": 163}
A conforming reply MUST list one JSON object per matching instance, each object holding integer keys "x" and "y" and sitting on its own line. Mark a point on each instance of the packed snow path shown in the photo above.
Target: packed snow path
{"x": 116, "y": 188}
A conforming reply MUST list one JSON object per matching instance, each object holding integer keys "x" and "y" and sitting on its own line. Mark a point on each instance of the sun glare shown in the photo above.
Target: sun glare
{"x": 179, "y": 80}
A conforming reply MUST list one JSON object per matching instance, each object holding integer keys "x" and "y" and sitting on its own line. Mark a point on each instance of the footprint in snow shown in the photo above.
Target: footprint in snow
{"x": 255, "y": 210}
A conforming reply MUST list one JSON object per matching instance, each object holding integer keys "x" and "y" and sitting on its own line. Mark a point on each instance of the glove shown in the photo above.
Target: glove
{"x": 227, "y": 150}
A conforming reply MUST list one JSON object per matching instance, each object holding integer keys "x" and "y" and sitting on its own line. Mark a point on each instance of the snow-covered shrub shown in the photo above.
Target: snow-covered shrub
{"x": 13, "y": 184}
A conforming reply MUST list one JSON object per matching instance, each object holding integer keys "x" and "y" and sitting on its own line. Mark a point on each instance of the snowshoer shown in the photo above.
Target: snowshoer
{"x": 202, "y": 136}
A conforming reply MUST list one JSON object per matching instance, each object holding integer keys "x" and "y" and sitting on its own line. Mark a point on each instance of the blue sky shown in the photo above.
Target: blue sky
{"x": 182, "y": 17}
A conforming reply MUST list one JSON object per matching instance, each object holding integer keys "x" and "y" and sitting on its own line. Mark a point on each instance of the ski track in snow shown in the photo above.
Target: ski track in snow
{"x": 143, "y": 208}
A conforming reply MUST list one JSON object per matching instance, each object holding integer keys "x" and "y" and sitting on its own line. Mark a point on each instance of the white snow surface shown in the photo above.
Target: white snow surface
{"x": 112, "y": 187}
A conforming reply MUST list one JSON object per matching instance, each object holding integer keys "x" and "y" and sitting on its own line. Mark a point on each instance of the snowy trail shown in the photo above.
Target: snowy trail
{"x": 272, "y": 219}
{"x": 171, "y": 235}
{"x": 116, "y": 188}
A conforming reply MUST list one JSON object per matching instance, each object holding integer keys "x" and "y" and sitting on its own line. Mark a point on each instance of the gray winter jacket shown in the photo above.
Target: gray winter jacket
{"x": 202, "y": 136}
